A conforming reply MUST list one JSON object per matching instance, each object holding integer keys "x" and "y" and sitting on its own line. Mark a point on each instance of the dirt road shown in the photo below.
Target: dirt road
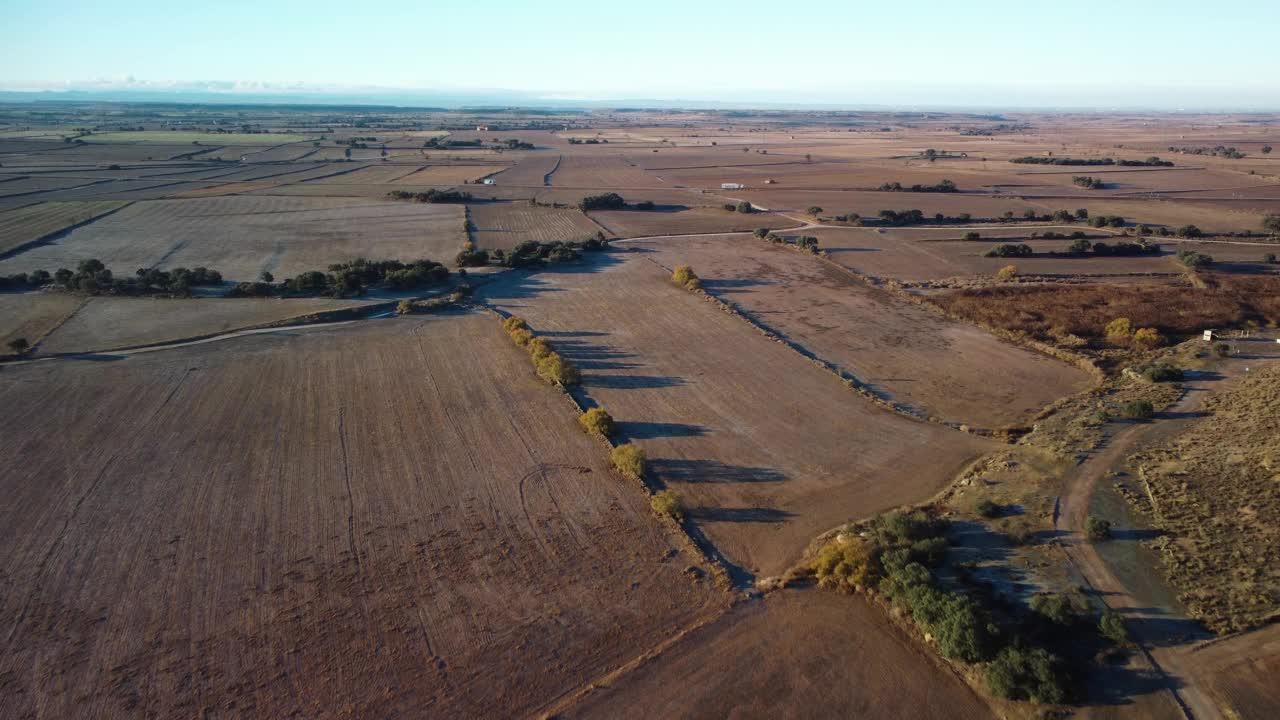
{"x": 1169, "y": 658}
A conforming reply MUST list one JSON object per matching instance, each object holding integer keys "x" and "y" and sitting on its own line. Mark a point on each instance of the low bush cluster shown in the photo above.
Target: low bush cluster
{"x": 668, "y": 503}
{"x": 1194, "y": 260}
{"x": 685, "y": 277}
{"x": 629, "y": 460}
{"x": 603, "y": 201}
{"x": 1087, "y": 181}
{"x": 742, "y": 206}
{"x": 596, "y": 422}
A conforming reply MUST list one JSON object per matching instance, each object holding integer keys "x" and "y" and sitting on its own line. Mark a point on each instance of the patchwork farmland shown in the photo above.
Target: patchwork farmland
{"x": 898, "y": 428}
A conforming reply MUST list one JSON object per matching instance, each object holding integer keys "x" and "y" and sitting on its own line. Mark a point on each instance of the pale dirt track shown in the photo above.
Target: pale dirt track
{"x": 1167, "y": 656}
{"x": 393, "y": 518}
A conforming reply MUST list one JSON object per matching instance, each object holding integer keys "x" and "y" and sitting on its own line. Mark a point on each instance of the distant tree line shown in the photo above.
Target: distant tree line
{"x": 432, "y": 196}
{"x": 348, "y": 279}
{"x": 1152, "y": 161}
{"x": 946, "y": 186}
{"x": 94, "y": 278}
{"x": 588, "y": 141}
{"x": 1216, "y": 151}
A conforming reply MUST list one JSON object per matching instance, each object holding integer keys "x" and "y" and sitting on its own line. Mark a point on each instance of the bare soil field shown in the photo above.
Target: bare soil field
{"x": 917, "y": 357}
{"x": 258, "y": 530}
{"x": 23, "y": 225}
{"x": 686, "y": 220}
{"x": 596, "y": 170}
{"x": 32, "y": 315}
{"x": 797, "y": 654}
{"x": 243, "y": 236}
{"x": 685, "y": 381}
{"x": 503, "y": 225}
{"x": 1240, "y": 671}
{"x": 109, "y": 323}
{"x": 531, "y": 171}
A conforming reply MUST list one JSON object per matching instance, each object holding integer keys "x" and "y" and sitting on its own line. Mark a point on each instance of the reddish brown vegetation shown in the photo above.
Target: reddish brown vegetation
{"x": 1085, "y": 310}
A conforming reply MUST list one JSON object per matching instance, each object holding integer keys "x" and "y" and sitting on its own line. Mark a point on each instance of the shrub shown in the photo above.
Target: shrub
{"x": 538, "y": 349}
{"x": 596, "y": 422}
{"x": 404, "y": 307}
{"x": 668, "y": 503}
{"x": 1271, "y": 222}
{"x": 1055, "y": 608}
{"x": 514, "y": 323}
{"x": 604, "y": 201}
{"x": 1028, "y": 674}
{"x": 814, "y": 210}
{"x": 471, "y": 257}
{"x": 1147, "y": 338}
{"x": 19, "y": 345}
{"x": 521, "y": 336}
{"x": 973, "y": 235}
{"x": 1193, "y": 259}
{"x": 1163, "y": 372}
{"x": 1010, "y": 250}
{"x": 685, "y": 277}
{"x": 1097, "y": 529}
{"x": 744, "y": 207}
{"x": 555, "y": 370}
{"x": 1007, "y": 273}
{"x": 629, "y": 460}
{"x": 848, "y": 564}
{"x": 1221, "y": 349}
{"x": 988, "y": 508}
{"x": 1079, "y": 247}
{"x": 1269, "y": 258}
{"x": 1119, "y": 330}
{"x": 1190, "y": 231}
{"x": 1138, "y": 410}
{"x": 761, "y": 233}
{"x": 1112, "y": 628}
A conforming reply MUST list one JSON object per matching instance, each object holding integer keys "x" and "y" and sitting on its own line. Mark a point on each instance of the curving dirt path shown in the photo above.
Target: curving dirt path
{"x": 1172, "y": 660}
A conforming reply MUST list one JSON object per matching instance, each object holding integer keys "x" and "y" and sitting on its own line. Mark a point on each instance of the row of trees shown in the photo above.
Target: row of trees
{"x": 897, "y": 556}
{"x": 94, "y": 278}
{"x": 1216, "y": 151}
{"x": 548, "y": 363}
{"x": 348, "y": 279}
{"x": 807, "y": 243}
{"x": 432, "y": 196}
{"x": 946, "y": 186}
{"x": 1152, "y": 161}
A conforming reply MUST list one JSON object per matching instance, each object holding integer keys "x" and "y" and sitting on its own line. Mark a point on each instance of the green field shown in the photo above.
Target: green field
{"x": 179, "y": 137}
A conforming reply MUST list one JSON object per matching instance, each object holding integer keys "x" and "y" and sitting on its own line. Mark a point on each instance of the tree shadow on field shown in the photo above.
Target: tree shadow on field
{"x": 528, "y": 282}
{"x": 628, "y": 431}
{"x": 712, "y": 471}
{"x": 732, "y": 284}
{"x": 631, "y": 382}
{"x": 593, "y": 356}
{"x": 739, "y": 515}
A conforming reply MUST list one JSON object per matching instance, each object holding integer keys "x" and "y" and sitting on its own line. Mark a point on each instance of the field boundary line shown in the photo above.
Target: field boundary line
{"x": 59, "y": 233}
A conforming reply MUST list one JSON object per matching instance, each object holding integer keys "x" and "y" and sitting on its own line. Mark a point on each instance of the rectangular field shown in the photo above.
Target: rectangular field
{"x": 914, "y": 355}
{"x": 23, "y": 225}
{"x": 503, "y": 225}
{"x": 687, "y": 383}
{"x": 243, "y": 236}
{"x": 361, "y": 521}
{"x": 684, "y": 221}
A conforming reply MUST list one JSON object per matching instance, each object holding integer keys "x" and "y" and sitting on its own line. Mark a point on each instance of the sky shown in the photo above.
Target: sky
{"x": 1175, "y": 54}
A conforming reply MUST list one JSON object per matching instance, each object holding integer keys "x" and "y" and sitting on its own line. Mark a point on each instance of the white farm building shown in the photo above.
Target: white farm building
{"x": 732, "y": 186}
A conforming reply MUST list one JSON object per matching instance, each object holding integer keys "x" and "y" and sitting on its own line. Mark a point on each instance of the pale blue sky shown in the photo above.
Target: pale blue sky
{"x": 1172, "y": 54}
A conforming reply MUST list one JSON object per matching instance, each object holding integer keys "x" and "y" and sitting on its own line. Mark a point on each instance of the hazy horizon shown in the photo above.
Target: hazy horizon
{"x": 1093, "y": 55}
